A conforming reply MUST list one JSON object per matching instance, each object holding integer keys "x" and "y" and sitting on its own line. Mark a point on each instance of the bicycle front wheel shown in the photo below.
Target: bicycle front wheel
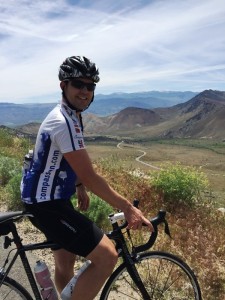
{"x": 12, "y": 290}
{"x": 164, "y": 276}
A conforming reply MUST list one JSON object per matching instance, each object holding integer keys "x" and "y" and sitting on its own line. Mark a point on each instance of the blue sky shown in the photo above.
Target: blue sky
{"x": 172, "y": 45}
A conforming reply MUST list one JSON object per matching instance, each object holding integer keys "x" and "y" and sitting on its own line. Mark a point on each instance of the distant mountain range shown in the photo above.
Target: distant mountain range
{"x": 105, "y": 105}
{"x": 18, "y": 114}
{"x": 202, "y": 116}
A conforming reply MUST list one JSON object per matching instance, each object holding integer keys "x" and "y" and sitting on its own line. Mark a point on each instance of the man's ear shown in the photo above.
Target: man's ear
{"x": 62, "y": 84}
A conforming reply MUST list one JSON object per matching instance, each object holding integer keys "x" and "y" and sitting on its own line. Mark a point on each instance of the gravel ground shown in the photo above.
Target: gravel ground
{"x": 29, "y": 234}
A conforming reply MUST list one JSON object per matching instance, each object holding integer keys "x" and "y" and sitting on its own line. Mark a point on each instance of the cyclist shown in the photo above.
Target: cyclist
{"x": 60, "y": 167}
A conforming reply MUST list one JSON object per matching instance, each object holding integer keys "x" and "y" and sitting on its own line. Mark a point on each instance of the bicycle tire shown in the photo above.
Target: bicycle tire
{"x": 165, "y": 276}
{"x": 12, "y": 290}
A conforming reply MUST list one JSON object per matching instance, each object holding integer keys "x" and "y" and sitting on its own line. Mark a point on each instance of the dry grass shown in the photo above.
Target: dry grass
{"x": 198, "y": 233}
{"x": 208, "y": 161}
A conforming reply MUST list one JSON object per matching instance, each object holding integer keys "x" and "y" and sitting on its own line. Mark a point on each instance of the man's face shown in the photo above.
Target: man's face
{"x": 78, "y": 93}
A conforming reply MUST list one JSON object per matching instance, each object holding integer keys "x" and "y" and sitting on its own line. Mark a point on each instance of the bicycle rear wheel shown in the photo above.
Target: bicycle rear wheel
{"x": 164, "y": 276}
{"x": 12, "y": 290}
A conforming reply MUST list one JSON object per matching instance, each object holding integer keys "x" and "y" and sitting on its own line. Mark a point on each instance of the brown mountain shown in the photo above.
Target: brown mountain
{"x": 201, "y": 117}
{"x": 31, "y": 128}
{"x": 126, "y": 119}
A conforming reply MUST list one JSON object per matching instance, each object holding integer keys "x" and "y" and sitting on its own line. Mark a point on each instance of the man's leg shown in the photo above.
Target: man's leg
{"x": 103, "y": 260}
{"x": 64, "y": 267}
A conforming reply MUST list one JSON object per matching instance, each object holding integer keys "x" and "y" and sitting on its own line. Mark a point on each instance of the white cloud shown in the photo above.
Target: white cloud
{"x": 165, "y": 45}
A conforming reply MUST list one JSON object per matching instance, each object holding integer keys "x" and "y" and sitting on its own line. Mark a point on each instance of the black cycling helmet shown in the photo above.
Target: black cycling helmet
{"x": 78, "y": 66}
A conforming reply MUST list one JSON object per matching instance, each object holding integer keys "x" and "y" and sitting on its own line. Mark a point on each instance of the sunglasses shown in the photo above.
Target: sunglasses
{"x": 78, "y": 84}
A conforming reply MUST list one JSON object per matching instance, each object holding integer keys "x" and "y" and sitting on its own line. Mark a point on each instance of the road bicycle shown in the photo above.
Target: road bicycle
{"x": 142, "y": 274}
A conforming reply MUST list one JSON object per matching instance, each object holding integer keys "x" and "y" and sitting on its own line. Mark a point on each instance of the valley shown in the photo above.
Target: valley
{"x": 206, "y": 156}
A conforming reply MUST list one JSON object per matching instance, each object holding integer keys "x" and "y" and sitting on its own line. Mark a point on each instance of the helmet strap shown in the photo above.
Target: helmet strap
{"x": 69, "y": 104}
{"x": 73, "y": 107}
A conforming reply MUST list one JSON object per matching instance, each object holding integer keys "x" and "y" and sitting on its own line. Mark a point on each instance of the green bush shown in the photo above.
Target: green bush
{"x": 9, "y": 167}
{"x": 12, "y": 145}
{"x": 179, "y": 183}
{"x": 12, "y": 189}
{"x": 98, "y": 211}
{"x": 6, "y": 140}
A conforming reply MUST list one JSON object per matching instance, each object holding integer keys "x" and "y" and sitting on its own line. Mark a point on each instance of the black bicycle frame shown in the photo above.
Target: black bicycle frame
{"x": 128, "y": 259}
{"x": 21, "y": 252}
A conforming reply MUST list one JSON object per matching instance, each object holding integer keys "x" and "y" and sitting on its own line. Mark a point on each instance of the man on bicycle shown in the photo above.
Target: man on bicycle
{"x": 60, "y": 167}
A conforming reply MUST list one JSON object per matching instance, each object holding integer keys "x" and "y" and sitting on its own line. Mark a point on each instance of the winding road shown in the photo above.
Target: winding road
{"x": 119, "y": 146}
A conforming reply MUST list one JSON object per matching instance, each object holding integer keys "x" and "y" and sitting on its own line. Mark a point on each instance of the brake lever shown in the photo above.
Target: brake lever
{"x": 161, "y": 218}
{"x": 136, "y": 203}
{"x": 167, "y": 229}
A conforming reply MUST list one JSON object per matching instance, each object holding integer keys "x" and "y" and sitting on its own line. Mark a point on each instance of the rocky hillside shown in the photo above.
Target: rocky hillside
{"x": 201, "y": 117}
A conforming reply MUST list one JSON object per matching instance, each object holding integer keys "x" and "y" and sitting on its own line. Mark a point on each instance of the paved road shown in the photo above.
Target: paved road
{"x": 144, "y": 163}
{"x": 120, "y": 146}
{"x": 17, "y": 271}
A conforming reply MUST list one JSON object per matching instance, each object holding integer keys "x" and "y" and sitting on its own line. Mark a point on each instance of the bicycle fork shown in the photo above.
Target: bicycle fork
{"x": 128, "y": 258}
{"x": 131, "y": 268}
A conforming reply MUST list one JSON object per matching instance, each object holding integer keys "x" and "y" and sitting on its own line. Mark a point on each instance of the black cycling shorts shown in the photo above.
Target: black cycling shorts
{"x": 65, "y": 226}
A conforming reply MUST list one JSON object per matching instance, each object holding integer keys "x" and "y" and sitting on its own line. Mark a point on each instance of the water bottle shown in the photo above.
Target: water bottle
{"x": 68, "y": 290}
{"x": 43, "y": 278}
{"x": 27, "y": 161}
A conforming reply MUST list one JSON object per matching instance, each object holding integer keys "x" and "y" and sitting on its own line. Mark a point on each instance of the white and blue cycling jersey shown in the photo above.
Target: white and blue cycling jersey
{"x": 50, "y": 177}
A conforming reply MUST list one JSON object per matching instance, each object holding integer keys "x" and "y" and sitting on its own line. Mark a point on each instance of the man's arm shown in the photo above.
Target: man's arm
{"x": 81, "y": 164}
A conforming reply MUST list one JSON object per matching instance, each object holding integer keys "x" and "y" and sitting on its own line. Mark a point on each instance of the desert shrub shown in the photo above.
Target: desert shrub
{"x": 179, "y": 183}
{"x": 13, "y": 196}
{"x": 123, "y": 180}
{"x": 6, "y": 139}
{"x": 198, "y": 238}
{"x": 3, "y": 196}
{"x": 98, "y": 211}
{"x": 13, "y": 146}
{"x": 9, "y": 167}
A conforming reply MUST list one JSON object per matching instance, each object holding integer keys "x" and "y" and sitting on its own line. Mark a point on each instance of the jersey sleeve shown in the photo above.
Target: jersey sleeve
{"x": 68, "y": 136}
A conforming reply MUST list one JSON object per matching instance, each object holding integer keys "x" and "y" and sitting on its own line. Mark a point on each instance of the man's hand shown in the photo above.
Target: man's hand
{"x": 135, "y": 219}
{"x": 83, "y": 198}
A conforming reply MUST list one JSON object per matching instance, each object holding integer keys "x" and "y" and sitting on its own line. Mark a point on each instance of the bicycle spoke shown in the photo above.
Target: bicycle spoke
{"x": 11, "y": 290}
{"x": 164, "y": 276}
{"x": 127, "y": 286}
